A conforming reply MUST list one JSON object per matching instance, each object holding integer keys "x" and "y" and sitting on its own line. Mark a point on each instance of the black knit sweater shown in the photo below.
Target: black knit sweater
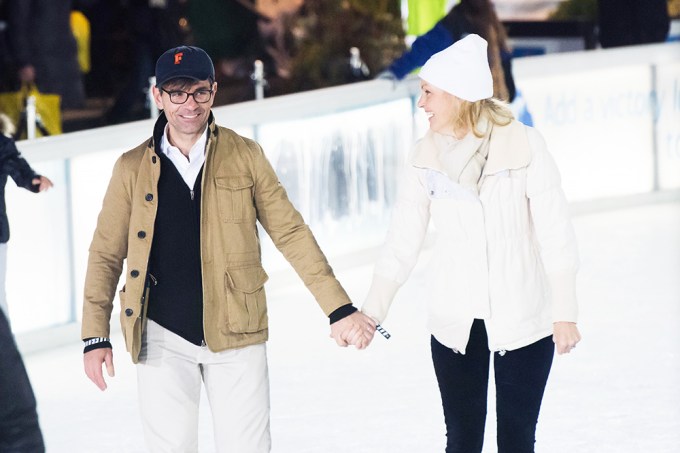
{"x": 176, "y": 297}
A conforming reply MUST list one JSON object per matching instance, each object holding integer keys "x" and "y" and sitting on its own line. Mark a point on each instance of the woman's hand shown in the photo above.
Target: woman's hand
{"x": 565, "y": 336}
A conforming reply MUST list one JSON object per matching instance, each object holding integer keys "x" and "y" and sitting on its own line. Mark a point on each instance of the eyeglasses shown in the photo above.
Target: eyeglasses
{"x": 180, "y": 97}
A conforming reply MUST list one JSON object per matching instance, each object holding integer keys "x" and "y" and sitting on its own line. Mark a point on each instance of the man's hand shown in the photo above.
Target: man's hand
{"x": 565, "y": 336}
{"x": 93, "y": 365}
{"x": 356, "y": 329}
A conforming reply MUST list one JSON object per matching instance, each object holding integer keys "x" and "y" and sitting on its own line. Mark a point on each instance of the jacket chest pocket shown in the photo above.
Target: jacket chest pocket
{"x": 235, "y": 198}
{"x": 246, "y": 299}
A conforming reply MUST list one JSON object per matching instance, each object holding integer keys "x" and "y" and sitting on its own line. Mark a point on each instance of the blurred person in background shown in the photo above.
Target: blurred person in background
{"x": 19, "y": 427}
{"x": 12, "y": 164}
{"x": 44, "y": 50}
{"x": 236, "y": 34}
{"x": 154, "y": 26}
{"x": 5, "y": 54}
{"x": 631, "y": 22}
{"x": 228, "y": 32}
{"x": 501, "y": 283}
{"x": 469, "y": 16}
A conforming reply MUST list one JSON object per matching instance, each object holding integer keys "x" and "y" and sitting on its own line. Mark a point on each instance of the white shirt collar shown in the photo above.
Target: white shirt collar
{"x": 188, "y": 168}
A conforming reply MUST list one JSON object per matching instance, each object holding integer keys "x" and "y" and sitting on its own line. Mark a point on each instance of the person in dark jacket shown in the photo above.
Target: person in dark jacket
{"x": 44, "y": 49}
{"x": 467, "y": 17}
{"x": 19, "y": 427}
{"x": 15, "y": 166}
{"x": 631, "y": 22}
{"x": 154, "y": 27}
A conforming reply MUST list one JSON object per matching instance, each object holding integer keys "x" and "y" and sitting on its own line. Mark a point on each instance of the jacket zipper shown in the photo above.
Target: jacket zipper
{"x": 191, "y": 195}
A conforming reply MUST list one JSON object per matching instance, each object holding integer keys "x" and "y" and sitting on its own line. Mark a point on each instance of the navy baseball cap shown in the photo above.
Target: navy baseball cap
{"x": 184, "y": 61}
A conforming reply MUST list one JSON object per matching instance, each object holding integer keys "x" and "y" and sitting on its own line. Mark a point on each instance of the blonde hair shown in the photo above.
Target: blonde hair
{"x": 494, "y": 110}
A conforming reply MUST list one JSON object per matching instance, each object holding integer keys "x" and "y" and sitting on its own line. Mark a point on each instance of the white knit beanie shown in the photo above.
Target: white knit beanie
{"x": 462, "y": 69}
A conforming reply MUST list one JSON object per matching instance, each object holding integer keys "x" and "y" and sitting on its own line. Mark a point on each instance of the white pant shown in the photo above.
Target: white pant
{"x": 169, "y": 375}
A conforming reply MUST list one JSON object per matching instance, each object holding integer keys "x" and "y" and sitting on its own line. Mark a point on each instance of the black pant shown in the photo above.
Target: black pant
{"x": 521, "y": 376}
{"x": 19, "y": 428}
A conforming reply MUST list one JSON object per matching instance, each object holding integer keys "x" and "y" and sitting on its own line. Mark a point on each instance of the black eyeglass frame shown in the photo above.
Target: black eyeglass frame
{"x": 187, "y": 94}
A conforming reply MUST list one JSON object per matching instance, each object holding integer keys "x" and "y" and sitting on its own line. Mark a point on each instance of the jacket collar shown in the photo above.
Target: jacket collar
{"x": 434, "y": 153}
{"x": 508, "y": 150}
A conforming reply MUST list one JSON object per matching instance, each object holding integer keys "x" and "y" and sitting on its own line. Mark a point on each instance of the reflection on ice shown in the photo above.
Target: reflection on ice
{"x": 340, "y": 170}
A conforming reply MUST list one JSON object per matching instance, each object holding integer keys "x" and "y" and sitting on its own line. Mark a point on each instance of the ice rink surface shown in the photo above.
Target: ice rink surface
{"x": 618, "y": 392}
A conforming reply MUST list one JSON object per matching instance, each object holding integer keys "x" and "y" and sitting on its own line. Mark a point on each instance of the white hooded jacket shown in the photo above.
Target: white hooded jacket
{"x": 504, "y": 252}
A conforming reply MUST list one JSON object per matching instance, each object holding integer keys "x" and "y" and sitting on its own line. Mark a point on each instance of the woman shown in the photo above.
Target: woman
{"x": 503, "y": 272}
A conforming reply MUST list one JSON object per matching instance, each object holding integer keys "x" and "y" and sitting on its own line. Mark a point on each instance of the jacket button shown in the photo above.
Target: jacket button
{"x": 148, "y": 197}
{"x": 134, "y": 273}
{"x": 141, "y": 234}
{"x": 128, "y": 312}
{"x": 153, "y": 159}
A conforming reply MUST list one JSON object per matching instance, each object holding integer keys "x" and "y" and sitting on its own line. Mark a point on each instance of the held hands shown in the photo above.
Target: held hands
{"x": 565, "y": 336}
{"x": 356, "y": 329}
{"x": 93, "y": 360}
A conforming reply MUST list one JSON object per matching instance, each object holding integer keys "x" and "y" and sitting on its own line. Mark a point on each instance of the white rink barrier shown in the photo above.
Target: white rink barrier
{"x": 610, "y": 117}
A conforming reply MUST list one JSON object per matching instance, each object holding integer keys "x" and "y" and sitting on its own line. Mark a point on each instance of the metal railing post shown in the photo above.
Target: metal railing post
{"x": 258, "y": 77}
{"x": 153, "y": 108}
{"x": 655, "y": 106}
{"x": 30, "y": 117}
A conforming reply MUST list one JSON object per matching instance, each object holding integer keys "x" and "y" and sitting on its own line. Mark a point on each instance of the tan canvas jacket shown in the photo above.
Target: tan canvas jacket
{"x": 239, "y": 187}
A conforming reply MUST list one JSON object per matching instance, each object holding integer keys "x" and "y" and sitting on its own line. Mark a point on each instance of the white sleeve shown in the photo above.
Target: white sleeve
{"x": 399, "y": 254}
{"x": 553, "y": 229}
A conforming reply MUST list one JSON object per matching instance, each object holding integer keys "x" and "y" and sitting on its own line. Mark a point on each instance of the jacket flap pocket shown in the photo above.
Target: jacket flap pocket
{"x": 237, "y": 182}
{"x": 247, "y": 279}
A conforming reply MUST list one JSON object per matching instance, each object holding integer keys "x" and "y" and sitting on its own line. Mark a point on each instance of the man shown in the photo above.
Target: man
{"x": 181, "y": 208}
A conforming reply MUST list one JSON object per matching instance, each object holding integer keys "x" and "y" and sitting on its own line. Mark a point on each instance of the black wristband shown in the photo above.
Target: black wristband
{"x": 96, "y": 343}
{"x": 341, "y": 312}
